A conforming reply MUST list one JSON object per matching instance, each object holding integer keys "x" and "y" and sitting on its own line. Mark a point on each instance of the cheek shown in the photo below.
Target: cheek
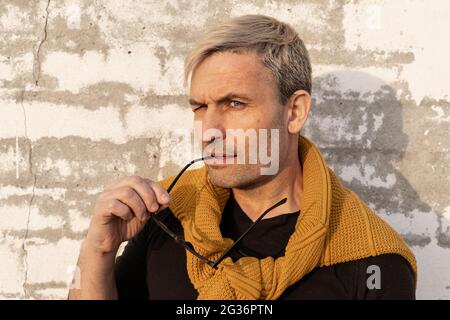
{"x": 253, "y": 117}
{"x": 271, "y": 116}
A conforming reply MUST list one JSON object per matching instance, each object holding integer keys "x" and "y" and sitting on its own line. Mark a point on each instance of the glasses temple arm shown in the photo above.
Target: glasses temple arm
{"x": 183, "y": 170}
{"x": 279, "y": 203}
{"x": 180, "y": 240}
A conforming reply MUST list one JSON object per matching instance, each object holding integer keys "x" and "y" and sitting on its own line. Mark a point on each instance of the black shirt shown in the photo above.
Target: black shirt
{"x": 153, "y": 266}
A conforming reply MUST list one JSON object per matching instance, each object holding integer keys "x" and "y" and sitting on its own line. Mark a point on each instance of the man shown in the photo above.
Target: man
{"x": 319, "y": 242}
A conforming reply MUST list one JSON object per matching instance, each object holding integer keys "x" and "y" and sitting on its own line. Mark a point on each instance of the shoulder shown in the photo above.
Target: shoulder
{"x": 385, "y": 276}
{"x": 388, "y": 265}
{"x": 356, "y": 232}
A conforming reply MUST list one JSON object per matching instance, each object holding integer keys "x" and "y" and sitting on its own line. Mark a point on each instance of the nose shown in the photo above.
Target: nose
{"x": 212, "y": 125}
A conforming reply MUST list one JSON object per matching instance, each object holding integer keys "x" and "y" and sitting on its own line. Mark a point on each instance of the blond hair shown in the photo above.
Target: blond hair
{"x": 278, "y": 45}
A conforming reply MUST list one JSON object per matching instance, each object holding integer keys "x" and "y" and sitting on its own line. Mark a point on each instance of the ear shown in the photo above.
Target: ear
{"x": 299, "y": 105}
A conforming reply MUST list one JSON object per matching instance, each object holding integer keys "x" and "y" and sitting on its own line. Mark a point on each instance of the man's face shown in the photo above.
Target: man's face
{"x": 236, "y": 91}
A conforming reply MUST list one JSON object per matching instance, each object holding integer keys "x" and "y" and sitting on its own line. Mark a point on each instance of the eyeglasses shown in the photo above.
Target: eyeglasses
{"x": 187, "y": 245}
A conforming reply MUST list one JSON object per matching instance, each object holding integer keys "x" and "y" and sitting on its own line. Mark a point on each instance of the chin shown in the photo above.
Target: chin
{"x": 221, "y": 177}
{"x": 232, "y": 176}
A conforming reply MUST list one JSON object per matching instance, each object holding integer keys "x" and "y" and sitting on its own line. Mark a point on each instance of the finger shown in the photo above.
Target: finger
{"x": 144, "y": 190}
{"x": 162, "y": 195}
{"x": 151, "y": 192}
{"x": 129, "y": 197}
{"x": 119, "y": 209}
{"x": 141, "y": 188}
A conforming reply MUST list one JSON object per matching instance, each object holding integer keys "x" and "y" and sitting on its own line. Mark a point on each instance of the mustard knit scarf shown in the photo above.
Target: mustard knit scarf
{"x": 334, "y": 226}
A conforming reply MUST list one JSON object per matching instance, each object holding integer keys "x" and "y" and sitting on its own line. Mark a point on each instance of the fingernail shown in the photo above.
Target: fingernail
{"x": 154, "y": 207}
{"x": 165, "y": 198}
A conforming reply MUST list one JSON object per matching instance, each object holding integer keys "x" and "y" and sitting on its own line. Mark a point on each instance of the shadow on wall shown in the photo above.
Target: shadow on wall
{"x": 356, "y": 121}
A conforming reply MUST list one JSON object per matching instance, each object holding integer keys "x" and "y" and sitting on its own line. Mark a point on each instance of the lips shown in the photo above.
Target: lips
{"x": 220, "y": 159}
{"x": 223, "y": 155}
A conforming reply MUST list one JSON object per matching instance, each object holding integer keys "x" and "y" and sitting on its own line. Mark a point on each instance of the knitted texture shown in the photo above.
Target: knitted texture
{"x": 334, "y": 226}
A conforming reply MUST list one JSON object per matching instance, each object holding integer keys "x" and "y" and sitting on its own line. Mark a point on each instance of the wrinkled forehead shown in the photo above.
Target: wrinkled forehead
{"x": 229, "y": 71}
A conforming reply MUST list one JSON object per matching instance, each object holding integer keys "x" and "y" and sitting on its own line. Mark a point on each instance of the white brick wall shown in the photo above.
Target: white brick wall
{"x": 110, "y": 88}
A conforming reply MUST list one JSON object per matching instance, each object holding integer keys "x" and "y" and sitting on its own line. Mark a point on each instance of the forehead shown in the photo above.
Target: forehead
{"x": 224, "y": 71}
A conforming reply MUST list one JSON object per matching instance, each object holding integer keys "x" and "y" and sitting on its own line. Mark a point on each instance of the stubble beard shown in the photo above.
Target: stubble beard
{"x": 240, "y": 176}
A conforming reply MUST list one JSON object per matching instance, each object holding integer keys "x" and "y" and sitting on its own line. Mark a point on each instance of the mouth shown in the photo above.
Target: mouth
{"x": 220, "y": 159}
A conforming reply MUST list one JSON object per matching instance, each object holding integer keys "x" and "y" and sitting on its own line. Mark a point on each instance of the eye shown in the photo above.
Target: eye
{"x": 199, "y": 107}
{"x": 236, "y": 104}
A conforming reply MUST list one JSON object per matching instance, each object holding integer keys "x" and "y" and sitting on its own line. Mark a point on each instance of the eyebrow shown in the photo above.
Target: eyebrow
{"x": 226, "y": 98}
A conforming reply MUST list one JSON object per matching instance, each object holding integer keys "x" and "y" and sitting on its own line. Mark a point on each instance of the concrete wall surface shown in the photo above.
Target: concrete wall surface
{"x": 91, "y": 90}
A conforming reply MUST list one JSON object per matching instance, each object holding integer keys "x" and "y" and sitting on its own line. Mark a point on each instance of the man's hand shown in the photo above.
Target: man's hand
{"x": 122, "y": 210}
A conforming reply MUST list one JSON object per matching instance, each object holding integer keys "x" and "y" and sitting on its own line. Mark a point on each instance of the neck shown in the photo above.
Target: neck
{"x": 287, "y": 183}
